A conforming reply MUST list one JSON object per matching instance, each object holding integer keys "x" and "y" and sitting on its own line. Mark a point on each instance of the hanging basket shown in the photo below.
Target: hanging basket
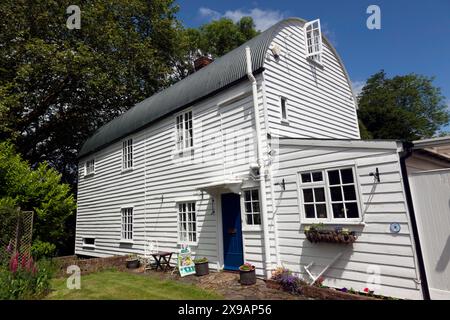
{"x": 330, "y": 236}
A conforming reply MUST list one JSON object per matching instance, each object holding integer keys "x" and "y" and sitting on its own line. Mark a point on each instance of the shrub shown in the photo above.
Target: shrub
{"x": 42, "y": 249}
{"x": 24, "y": 278}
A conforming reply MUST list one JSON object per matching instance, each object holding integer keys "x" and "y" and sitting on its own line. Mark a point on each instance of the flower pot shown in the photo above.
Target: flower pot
{"x": 247, "y": 277}
{"x": 201, "y": 269}
{"x": 133, "y": 264}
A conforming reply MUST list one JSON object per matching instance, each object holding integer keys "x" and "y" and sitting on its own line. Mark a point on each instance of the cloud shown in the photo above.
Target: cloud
{"x": 209, "y": 13}
{"x": 357, "y": 86}
{"x": 263, "y": 18}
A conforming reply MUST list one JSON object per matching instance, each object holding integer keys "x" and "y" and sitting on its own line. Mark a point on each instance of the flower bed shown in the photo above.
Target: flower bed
{"x": 284, "y": 279}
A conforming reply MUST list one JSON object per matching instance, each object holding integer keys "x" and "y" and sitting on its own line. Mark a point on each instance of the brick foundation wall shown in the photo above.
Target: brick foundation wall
{"x": 89, "y": 265}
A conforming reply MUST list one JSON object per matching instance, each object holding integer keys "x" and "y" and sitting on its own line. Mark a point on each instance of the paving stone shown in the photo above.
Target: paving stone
{"x": 227, "y": 284}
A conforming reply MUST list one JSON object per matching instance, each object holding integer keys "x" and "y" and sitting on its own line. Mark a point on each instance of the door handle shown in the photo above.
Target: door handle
{"x": 232, "y": 231}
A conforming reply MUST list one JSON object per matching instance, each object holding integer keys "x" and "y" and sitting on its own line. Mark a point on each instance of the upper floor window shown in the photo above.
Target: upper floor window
{"x": 127, "y": 224}
{"x": 329, "y": 194}
{"x": 283, "y": 109}
{"x": 313, "y": 37}
{"x": 252, "y": 207}
{"x": 184, "y": 130}
{"x": 89, "y": 167}
{"x": 187, "y": 222}
{"x": 127, "y": 154}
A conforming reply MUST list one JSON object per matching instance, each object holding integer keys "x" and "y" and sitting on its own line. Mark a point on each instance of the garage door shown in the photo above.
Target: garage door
{"x": 431, "y": 197}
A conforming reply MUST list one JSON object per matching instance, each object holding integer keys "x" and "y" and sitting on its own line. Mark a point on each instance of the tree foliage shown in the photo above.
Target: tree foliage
{"x": 39, "y": 190}
{"x": 214, "y": 39}
{"x": 57, "y": 86}
{"x": 405, "y": 107}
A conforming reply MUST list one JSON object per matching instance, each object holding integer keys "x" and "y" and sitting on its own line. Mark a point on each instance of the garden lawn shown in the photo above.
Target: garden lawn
{"x": 110, "y": 285}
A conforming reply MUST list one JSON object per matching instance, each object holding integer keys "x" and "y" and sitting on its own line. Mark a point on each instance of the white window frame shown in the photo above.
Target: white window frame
{"x": 245, "y": 225}
{"x": 286, "y": 118}
{"x": 326, "y": 185}
{"x": 126, "y": 226}
{"x": 182, "y": 137}
{"x": 315, "y": 48}
{"x": 86, "y": 173}
{"x": 187, "y": 222}
{"x": 127, "y": 155}
{"x": 84, "y": 244}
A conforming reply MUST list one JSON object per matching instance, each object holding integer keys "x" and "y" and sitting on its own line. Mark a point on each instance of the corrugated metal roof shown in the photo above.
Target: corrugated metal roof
{"x": 221, "y": 73}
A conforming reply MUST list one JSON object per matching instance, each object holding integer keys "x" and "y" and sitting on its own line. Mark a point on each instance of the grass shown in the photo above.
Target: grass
{"x": 114, "y": 285}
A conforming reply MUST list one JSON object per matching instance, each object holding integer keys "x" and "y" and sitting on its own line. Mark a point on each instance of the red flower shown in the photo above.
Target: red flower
{"x": 366, "y": 290}
{"x": 14, "y": 263}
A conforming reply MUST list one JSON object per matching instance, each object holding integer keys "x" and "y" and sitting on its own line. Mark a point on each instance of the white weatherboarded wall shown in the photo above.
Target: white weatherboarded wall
{"x": 381, "y": 204}
{"x": 161, "y": 177}
{"x": 320, "y": 103}
{"x": 431, "y": 198}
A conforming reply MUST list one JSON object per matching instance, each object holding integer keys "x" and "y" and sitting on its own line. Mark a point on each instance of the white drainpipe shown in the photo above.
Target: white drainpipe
{"x": 262, "y": 169}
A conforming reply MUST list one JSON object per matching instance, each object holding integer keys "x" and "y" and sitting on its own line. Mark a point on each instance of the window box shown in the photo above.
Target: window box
{"x": 316, "y": 234}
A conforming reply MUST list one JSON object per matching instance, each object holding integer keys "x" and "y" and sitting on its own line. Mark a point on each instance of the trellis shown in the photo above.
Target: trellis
{"x": 16, "y": 230}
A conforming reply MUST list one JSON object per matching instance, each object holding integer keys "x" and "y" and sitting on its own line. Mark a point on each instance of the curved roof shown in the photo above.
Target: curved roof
{"x": 223, "y": 72}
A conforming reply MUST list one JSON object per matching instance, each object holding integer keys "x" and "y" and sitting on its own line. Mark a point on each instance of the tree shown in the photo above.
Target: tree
{"x": 406, "y": 107}
{"x": 41, "y": 191}
{"x": 214, "y": 39}
{"x": 57, "y": 86}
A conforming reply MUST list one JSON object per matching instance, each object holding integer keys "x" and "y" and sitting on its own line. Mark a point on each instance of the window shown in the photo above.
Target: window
{"x": 329, "y": 194}
{"x": 251, "y": 207}
{"x": 89, "y": 241}
{"x": 283, "y": 102}
{"x": 127, "y": 154}
{"x": 313, "y": 37}
{"x": 184, "y": 130}
{"x": 315, "y": 205}
{"x": 89, "y": 167}
{"x": 127, "y": 224}
{"x": 343, "y": 194}
{"x": 187, "y": 222}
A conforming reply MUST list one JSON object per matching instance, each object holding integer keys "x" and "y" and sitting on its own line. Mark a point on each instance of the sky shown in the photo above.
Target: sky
{"x": 414, "y": 36}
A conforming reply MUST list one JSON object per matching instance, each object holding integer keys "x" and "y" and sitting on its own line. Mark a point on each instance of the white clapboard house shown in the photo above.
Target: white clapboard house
{"x": 240, "y": 157}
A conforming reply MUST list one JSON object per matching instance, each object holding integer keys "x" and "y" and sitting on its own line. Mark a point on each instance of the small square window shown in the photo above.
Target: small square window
{"x": 89, "y": 241}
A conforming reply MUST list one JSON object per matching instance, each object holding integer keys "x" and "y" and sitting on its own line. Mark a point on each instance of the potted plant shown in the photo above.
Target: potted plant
{"x": 201, "y": 266}
{"x": 132, "y": 262}
{"x": 247, "y": 274}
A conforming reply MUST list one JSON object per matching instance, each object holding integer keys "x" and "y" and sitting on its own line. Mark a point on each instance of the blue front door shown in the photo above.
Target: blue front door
{"x": 232, "y": 231}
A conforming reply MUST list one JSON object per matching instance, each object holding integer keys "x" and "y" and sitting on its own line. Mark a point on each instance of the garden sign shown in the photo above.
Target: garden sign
{"x": 186, "y": 265}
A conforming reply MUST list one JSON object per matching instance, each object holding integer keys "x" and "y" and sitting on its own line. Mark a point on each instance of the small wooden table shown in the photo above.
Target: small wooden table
{"x": 162, "y": 260}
